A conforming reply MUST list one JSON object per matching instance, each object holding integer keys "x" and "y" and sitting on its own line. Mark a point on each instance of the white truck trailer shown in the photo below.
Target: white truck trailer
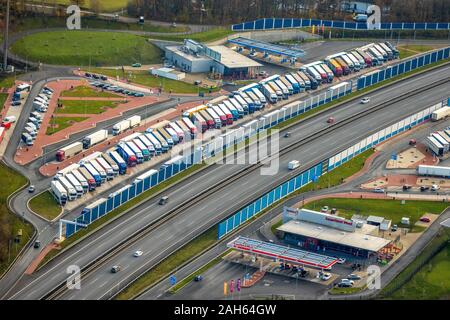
{"x": 440, "y": 114}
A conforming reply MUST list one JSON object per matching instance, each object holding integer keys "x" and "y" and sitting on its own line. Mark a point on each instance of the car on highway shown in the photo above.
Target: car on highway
{"x": 163, "y": 200}
{"x": 425, "y": 219}
{"x": 198, "y": 278}
{"x": 331, "y": 120}
{"x": 115, "y": 269}
{"x": 353, "y": 276}
{"x": 31, "y": 189}
{"x": 287, "y": 134}
{"x": 138, "y": 253}
{"x": 365, "y": 100}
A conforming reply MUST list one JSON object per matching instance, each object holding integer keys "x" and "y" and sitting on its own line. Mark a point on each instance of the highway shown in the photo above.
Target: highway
{"x": 195, "y": 219}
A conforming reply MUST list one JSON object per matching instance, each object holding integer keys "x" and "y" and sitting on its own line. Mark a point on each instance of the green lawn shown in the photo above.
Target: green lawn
{"x": 9, "y": 222}
{"x": 62, "y": 123}
{"x": 7, "y": 82}
{"x": 42, "y": 22}
{"x": 3, "y": 97}
{"x": 45, "y": 205}
{"x": 85, "y": 106}
{"x": 170, "y": 263}
{"x": 207, "y": 36}
{"x": 410, "y": 50}
{"x": 84, "y": 48}
{"x": 86, "y": 91}
{"x": 390, "y": 209}
{"x": 148, "y": 80}
{"x": 105, "y": 5}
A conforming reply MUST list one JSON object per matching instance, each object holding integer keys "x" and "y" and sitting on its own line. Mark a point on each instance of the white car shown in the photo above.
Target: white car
{"x": 138, "y": 253}
{"x": 350, "y": 282}
{"x": 365, "y": 100}
{"x": 341, "y": 260}
{"x": 378, "y": 190}
{"x": 325, "y": 276}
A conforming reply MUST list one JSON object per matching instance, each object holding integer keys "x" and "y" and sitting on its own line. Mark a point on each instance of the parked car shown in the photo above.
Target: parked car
{"x": 351, "y": 282}
{"x": 136, "y": 65}
{"x": 344, "y": 285}
{"x": 353, "y": 276}
{"x": 425, "y": 219}
{"x": 16, "y": 103}
{"x": 394, "y": 228}
{"x": 424, "y": 188}
{"x": 406, "y": 187}
{"x": 324, "y": 209}
{"x": 435, "y": 187}
{"x": 104, "y": 78}
{"x": 412, "y": 142}
{"x": 88, "y": 75}
{"x": 365, "y": 100}
{"x": 341, "y": 260}
{"x": 325, "y": 276}
{"x": 378, "y": 190}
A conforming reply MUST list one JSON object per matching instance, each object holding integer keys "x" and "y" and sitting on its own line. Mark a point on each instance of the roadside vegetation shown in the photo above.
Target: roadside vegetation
{"x": 86, "y": 91}
{"x": 7, "y": 82}
{"x": 85, "y": 106}
{"x": 107, "y": 6}
{"x": 3, "y": 98}
{"x": 206, "y": 36}
{"x": 10, "y": 224}
{"x": 170, "y": 263}
{"x": 45, "y": 22}
{"x": 60, "y": 123}
{"x": 407, "y": 51}
{"x": 85, "y": 48}
{"x": 389, "y": 209}
{"x": 146, "y": 79}
{"x": 44, "y": 204}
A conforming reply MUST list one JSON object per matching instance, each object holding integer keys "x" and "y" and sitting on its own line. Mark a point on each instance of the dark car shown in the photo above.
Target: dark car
{"x": 425, "y": 219}
{"x": 198, "y": 278}
{"x": 115, "y": 269}
{"x": 95, "y": 76}
{"x": 424, "y": 188}
{"x": 406, "y": 187}
{"x": 163, "y": 200}
{"x": 287, "y": 134}
{"x": 37, "y": 244}
{"x": 87, "y": 75}
{"x": 16, "y": 103}
{"x": 344, "y": 285}
{"x": 103, "y": 78}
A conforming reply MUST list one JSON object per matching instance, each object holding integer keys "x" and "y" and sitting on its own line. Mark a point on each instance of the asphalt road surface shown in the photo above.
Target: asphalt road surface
{"x": 163, "y": 240}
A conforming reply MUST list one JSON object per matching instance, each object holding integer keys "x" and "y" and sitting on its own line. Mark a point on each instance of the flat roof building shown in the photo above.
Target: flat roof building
{"x": 320, "y": 232}
{"x": 194, "y": 57}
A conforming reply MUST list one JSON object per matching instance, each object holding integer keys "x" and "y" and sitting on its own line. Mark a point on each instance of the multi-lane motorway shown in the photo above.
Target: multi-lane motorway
{"x": 161, "y": 241}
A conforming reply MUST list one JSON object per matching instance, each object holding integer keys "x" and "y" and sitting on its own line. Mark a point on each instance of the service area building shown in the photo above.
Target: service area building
{"x": 317, "y": 231}
{"x": 194, "y": 57}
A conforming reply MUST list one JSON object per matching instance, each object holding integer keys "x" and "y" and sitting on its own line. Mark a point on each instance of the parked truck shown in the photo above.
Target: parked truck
{"x": 293, "y": 164}
{"x": 59, "y": 192}
{"x": 108, "y": 169}
{"x": 440, "y": 114}
{"x": 75, "y": 183}
{"x": 69, "y": 151}
{"x": 436, "y": 171}
{"x": 127, "y": 154}
{"x": 83, "y": 181}
{"x": 71, "y": 192}
{"x": 120, "y": 162}
{"x": 89, "y": 178}
{"x": 27, "y": 139}
{"x": 94, "y": 173}
{"x": 111, "y": 163}
{"x": 94, "y": 138}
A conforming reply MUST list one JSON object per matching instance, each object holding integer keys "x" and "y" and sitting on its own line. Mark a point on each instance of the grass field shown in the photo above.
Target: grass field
{"x": 43, "y": 22}
{"x": 86, "y": 91}
{"x": 431, "y": 282}
{"x": 146, "y": 79}
{"x": 10, "y": 223}
{"x": 410, "y": 50}
{"x": 7, "y": 82}
{"x": 390, "y": 209}
{"x": 85, "y": 106}
{"x": 44, "y": 204}
{"x": 105, "y": 5}
{"x": 84, "y": 48}
{"x": 61, "y": 123}
{"x": 206, "y": 36}
{"x": 3, "y": 97}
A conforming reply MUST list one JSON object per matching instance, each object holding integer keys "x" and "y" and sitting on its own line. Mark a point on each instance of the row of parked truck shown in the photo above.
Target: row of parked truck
{"x": 40, "y": 106}
{"x": 97, "y": 168}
